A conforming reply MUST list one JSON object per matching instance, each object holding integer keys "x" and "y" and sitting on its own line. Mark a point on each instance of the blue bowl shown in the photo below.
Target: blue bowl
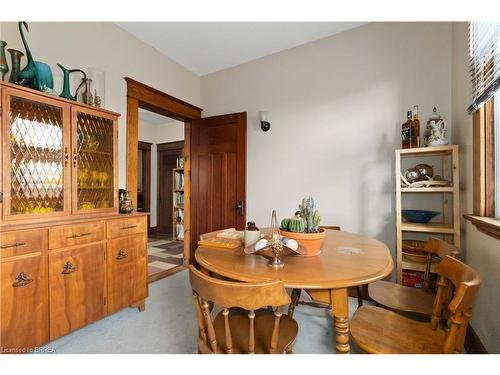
{"x": 418, "y": 216}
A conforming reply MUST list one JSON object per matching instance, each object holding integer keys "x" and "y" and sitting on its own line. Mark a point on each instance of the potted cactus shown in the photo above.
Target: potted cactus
{"x": 304, "y": 227}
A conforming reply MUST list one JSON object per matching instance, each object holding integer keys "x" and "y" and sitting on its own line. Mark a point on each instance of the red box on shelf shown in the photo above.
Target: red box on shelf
{"x": 412, "y": 278}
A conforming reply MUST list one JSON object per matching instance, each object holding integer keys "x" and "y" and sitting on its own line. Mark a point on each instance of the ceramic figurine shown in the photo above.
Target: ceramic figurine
{"x": 435, "y": 134}
{"x": 4, "y": 67}
{"x": 35, "y": 74}
{"x": 15, "y": 57}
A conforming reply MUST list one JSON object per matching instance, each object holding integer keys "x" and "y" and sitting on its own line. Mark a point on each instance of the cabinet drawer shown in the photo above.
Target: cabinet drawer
{"x": 126, "y": 263}
{"x": 126, "y": 227}
{"x": 71, "y": 235}
{"x": 22, "y": 242}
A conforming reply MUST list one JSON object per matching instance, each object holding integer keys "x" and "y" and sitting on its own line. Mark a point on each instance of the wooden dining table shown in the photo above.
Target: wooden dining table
{"x": 346, "y": 260}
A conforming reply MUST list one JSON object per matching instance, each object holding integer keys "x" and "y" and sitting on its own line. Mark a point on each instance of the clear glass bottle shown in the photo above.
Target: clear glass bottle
{"x": 416, "y": 125}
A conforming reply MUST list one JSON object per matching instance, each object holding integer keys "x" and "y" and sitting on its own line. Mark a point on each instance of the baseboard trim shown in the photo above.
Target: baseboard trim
{"x": 163, "y": 274}
{"x": 473, "y": 343}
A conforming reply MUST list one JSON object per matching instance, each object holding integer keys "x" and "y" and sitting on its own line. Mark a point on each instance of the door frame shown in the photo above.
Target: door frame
{"x": 145, "y": 147}
{"x": 146, "y": 97}
{"x": 160, "y": 147}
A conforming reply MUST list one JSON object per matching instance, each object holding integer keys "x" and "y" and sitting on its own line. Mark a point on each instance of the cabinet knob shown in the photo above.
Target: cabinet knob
{"x": 121, "y": 255}
{"x": 68, "y": 268}
{"x": 21, "y": 280}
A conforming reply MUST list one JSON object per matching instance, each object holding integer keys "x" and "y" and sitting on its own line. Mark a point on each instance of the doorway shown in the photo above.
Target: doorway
{"x": 214, "y": 154}
{"x": 160, "y": 190}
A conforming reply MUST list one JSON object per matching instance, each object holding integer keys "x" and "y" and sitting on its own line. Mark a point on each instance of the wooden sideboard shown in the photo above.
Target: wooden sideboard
{"x": 67, "y": 258}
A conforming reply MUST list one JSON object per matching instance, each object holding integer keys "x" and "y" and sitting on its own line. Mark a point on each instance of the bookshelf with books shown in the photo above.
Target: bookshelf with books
{"x": 178, "y": 203}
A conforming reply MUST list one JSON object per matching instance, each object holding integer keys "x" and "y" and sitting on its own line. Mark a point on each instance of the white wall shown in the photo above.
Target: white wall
{"x": 170, "y": 131}
{"x": 482, "y": 252}
{"x": 107, "y": 47}
{"x": 336, "y": 107}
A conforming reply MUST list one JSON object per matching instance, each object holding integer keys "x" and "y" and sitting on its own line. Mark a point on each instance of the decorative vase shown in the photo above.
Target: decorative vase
{"x": 16, "y": 57}
{"x": 436, "y": 130}
{"x": 4, "y": 68}
{"x": 311, "y": 242}
{"x": 66, "y": 93}
{"x": 36, "y": 75}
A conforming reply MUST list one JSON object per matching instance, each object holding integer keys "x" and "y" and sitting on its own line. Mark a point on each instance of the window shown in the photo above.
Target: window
{"x": 484, "y": 39}
{"x": 497, "y": 154}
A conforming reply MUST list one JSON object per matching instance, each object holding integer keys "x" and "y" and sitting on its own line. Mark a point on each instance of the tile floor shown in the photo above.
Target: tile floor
{"x": 163, "y": 254}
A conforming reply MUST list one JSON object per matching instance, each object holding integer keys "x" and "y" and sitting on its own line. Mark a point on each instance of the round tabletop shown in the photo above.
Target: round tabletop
{"x": 347, "y": 259}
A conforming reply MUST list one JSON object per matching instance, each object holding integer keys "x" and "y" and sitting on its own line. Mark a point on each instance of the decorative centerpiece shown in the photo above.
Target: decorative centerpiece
{"x": 274, "y": 246}
{"x": 304, "y": 228}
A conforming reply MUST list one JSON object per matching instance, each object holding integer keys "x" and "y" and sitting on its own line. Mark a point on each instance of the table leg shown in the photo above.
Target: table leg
{"x": 340, "y": 312}
{"x": 295, "y": 299}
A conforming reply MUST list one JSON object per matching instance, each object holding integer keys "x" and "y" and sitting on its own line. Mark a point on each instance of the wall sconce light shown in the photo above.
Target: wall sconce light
{"x": 264, "y": 124}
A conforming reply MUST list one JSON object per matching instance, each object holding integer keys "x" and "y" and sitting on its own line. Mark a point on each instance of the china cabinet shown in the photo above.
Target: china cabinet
{"x": 67, "y": 257}
{"x": 60, "y": 157}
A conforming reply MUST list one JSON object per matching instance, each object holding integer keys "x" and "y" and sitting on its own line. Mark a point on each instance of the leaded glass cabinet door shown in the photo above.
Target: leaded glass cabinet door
{"x": 94, "y": 140}
{"x": 36, "y": 168}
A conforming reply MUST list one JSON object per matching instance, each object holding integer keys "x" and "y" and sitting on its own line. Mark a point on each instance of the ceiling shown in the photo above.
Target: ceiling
{"x": 207, "y": 47}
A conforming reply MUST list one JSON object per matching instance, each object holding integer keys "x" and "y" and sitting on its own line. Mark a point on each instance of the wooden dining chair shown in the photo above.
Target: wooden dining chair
{"x": 295, "y": 296}
{"x": 404, "y": 299}
{"x": 233, "y": 331}
{"x": 377, "y": 330}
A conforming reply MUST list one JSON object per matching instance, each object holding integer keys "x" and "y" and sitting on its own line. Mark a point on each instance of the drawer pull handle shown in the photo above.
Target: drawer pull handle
{"x": 129, "y": 227}
{"x": 21, "y": 280}
{"x": 121, "y": 255}
{"x": 16, "y": 244}
{"x": 68, "y": 268}
{"x": 79, "y": 235}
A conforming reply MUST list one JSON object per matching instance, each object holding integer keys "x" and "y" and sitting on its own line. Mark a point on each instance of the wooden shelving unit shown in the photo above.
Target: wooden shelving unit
{"x": 449, "y": 227}
{"x": 178, "y": 207}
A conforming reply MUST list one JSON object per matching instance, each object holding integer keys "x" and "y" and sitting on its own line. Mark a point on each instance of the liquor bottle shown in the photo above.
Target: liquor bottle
{"x": 407, "y": 131}
{"x": 416, "y": 125}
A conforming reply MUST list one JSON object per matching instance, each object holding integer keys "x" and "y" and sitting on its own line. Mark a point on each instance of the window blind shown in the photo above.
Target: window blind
{"x": 484, "y": 49}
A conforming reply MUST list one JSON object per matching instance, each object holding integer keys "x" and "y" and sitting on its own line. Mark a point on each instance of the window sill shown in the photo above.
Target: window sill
{"x": 486, "y": 225}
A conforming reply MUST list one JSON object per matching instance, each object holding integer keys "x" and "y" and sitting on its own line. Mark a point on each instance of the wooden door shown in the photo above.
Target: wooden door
{"x": 167, "y": 161}
{"x": 126, "y": 263}
{"x": 218, "y": 172}
{"x": 36, "y": 143}
{"x": 76, "y": 288}
{"x": 94, "y": 161}
{"x": 24, "y": 303}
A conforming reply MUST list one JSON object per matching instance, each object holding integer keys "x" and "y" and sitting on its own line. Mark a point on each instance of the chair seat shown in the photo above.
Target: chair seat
{"x": 401, "y": 298}
{"x": 376, "y": 330}
{"x": 264, "y": 323}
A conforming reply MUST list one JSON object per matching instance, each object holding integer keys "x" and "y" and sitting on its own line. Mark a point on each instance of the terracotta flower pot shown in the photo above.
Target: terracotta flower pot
{"x": 311, "y": 242}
